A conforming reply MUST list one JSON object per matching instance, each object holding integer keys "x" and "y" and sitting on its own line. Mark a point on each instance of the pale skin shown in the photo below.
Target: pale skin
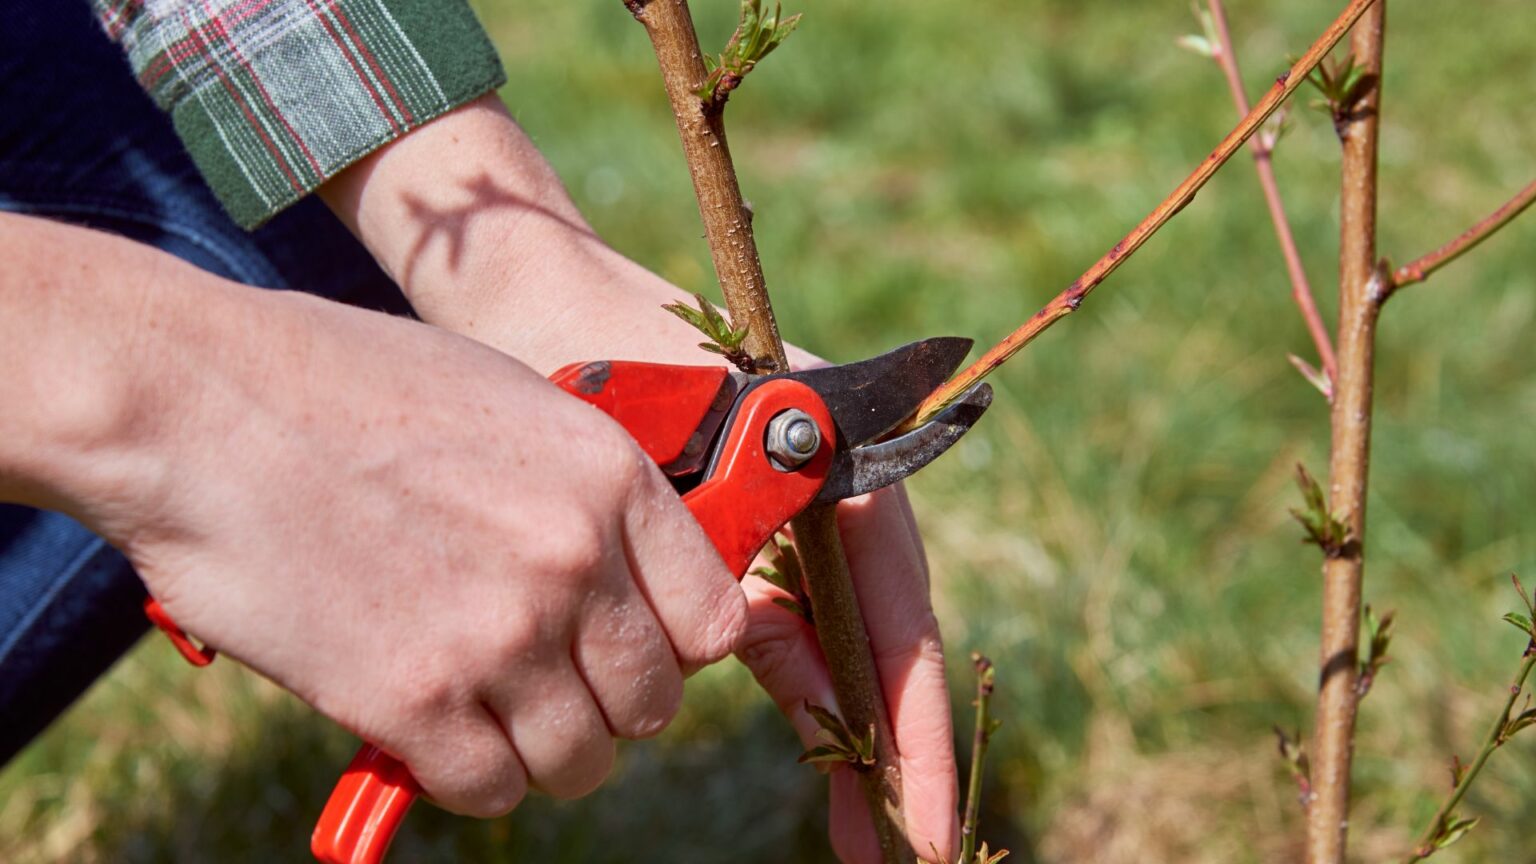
{"x": 411, "y": 530}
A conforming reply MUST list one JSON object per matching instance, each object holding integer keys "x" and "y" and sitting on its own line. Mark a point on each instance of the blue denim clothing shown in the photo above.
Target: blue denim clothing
{"x": 80, "y": 142}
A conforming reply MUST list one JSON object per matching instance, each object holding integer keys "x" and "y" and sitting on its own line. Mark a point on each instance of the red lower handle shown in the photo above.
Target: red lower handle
{"x": 366, "y": 808}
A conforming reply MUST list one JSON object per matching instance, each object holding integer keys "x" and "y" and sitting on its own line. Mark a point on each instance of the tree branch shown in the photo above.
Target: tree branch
{"x": 986, "y": 681}
{"x": 1497, "y": 734}
{"x": 727, "y": 222}
{"x": 1072, "y": 297}
{"x": 728, "y": 228}
{"x": 1362, "y": 287}
{"x": 1263, "y": 150}
{"x": 1422, "y": 268}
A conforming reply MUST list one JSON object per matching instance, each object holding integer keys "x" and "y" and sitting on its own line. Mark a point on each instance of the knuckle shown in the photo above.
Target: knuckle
{"x": 434, "y": 687}
{"x": 767, "y": 658}
{"x": 516, "y": 642}
{"x": 720, "y": 631}
{"x": 574, "y": 545}
{"x": 583, "y": 770}
{"x": 500, "y": 794}
{"x": 473, "y": 772}
{"x": 927, "y": 647}
{"x": 661, "y": 701}
{"x": 620, "y": 461}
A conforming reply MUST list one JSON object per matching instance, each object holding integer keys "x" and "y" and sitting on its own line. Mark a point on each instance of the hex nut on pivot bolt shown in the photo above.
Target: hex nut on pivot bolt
{"x": 793, "y": 438}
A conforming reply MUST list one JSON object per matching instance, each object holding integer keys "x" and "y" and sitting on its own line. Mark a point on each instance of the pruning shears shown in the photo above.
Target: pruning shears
{"x": 747, "y": 454}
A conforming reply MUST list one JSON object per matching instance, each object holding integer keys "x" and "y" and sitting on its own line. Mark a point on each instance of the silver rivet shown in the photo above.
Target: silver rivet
{"x": 793, "y": 438}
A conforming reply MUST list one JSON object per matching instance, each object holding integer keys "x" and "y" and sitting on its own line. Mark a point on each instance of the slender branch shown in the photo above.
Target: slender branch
{"x": 1361, "y": 289}
{"x": 986, "y": 679}
{"x": 1421, "y": 268}
{"x": 1491, "y": 742}
{"x": 1263, "y": 150}
{"x": 728, "y": 228}
{"x": 1070, "y": 299}
{"x": 727, "y": 222}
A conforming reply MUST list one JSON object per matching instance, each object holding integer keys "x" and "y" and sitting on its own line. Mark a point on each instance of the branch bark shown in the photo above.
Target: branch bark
{"x": 1263, "y": 162}
{"x": 1072, "y": 297}
{"x": 1363, "y": 285}
{"x": 728, "y": 228}
{"x": 1421, "y": 268}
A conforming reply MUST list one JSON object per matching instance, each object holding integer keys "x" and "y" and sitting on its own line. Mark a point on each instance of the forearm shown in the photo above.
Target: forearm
{"x": 83, "y": 320}
{"x": 474, "y": 225}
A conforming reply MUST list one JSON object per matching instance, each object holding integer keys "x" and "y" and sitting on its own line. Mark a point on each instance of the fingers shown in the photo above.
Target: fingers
{"x": 852, "y": 830}
{"x": 890, "y": 577}
{"x": 781, "y": 651}
{"x": 627, "y": 663}
{"x": 469, "y": 767}
{"x": 556, "y": 728}
{"x": 698, "y": 603}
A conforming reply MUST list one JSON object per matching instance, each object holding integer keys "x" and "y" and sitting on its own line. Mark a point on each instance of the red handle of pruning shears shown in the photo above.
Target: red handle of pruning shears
{"x": 743, "y": 502}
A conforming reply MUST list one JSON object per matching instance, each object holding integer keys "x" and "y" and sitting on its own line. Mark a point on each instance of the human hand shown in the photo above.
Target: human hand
{"x": 419, "y": 536}
{"x": 475, "y": 226}
{"x": 890, "y": 577}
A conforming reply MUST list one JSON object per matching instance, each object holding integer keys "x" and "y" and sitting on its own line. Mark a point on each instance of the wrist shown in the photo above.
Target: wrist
{"x": 77, "y": 342}
{"x": 476, "y": 229}
{"x": 463, "y": 213}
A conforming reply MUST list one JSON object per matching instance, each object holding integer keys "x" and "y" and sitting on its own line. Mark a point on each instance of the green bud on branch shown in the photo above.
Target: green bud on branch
{"x": 724, "y": 339}
{"x": 1324, "y": 529}
{"x": 838, "y": 743}
{"x": 755, "y": 38}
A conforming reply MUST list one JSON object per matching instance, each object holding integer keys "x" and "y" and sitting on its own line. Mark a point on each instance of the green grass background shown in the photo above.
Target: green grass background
{"x": 1114, "y": 534}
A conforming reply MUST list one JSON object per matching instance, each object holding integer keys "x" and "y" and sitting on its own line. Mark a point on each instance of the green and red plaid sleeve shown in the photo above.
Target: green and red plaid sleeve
{"x": 272, "y": 97}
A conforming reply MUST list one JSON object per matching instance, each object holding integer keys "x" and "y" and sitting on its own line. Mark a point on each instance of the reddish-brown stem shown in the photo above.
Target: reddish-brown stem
{"x": 728, "y": 228}
{"x": 1362, "y": 288}
{"x": 1071, "y": 298}
{"x": 1263, "y": 163}
{"x": 1421, "y": 268}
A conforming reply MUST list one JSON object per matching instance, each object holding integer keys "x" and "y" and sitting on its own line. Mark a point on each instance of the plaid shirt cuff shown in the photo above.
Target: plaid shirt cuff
{"x": 273, "y": 97}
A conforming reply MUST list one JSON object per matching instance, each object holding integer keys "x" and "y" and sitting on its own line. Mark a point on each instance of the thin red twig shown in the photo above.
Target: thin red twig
{"x": 1420, "y": 269}
{"x": 1070, "y": 299}
{"x": 1263, "y": 149}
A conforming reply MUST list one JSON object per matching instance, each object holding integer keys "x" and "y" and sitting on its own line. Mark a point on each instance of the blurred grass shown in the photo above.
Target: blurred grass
{"x": 1115, "y": 533}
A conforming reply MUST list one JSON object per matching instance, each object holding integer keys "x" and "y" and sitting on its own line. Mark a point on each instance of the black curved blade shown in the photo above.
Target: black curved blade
{"x": 867, "y": 399}
{"x": 865, "y": 469}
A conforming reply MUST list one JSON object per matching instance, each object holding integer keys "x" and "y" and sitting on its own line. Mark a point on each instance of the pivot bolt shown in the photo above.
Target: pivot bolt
{"x": 793, "y": 438}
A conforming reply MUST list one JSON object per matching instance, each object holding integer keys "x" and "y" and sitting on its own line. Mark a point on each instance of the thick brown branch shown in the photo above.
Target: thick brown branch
{"x": 1421, "y": 268}
{"x": 728, "y": 228}
{"x": 727, "y": 223}
{"x": 1362, "y": 287}
{"x": 1263, "y": 151}
{"x": 1070, "y": 299}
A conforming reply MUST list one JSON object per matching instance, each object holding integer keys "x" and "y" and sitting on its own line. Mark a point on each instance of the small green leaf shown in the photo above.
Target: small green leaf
{"x": 1314, "y": 376}
{"x": 1323, "y": 529}
{"x": 826, "y": 719}
{"x": 825, "y": 754}
{"x": 1525, "y": 719}
{"x": 1197, "y": 45}
{"x": 772, "y": 577}
{"x": 1521, "y": 622}
{"x": 1454, "y": 830}
{"x": 789, "y": 605}
{"x": 832, "y": 739}
{"x": 1530, "y": 602}
{"x": 983, "y": 856}
{"x": 865, "y": 746}
{"x": 692, "y": 316}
